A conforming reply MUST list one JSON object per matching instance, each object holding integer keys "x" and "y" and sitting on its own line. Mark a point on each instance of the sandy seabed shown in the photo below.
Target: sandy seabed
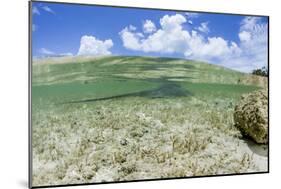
{"x": 138, "y": 138}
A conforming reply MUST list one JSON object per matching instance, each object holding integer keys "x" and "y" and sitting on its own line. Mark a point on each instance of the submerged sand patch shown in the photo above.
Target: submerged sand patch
{"x": 138, "y": 138}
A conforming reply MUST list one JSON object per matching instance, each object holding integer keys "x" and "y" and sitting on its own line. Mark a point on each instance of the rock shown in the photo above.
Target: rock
{"x": 251, "y": 116}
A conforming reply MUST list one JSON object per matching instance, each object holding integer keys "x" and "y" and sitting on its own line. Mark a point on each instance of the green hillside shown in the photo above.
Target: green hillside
{"x": 109, "y": 77}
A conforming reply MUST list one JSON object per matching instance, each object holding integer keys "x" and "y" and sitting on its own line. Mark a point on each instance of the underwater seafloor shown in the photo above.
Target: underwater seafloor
{"x": 160, "y": 127}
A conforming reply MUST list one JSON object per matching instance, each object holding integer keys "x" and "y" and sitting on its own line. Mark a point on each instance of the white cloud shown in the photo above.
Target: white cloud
{"x": 89, "y": 45}
{"x": 48, "y": 9}
{"x": 171, "y": 31}
{"x": 132, "y": 28}
{"x": 249, "y": 23}
{"x": 130, "y": 39}
{"x": 210, "y": 49}
{"x": 190, "y": 16}
{"x": 35, "y": 10}
{"x": 244, "y": 36}
{"x": 204, "y": 27}
{"x": 253, "y": 37}
{"x": 169, "y": 39}
{"x": 173, "y": 22}
{"x": 149, "y": 26}
{"x": 45, "y": 51}
{"x": 172, "y": 37}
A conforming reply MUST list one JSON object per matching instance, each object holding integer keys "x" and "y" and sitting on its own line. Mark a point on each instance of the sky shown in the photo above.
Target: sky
{"x": 234, "y": 41}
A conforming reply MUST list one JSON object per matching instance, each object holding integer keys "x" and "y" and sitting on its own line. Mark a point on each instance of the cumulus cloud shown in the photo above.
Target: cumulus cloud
{"x": 89, "y": 45}
{"x": 149, "y": 26}
{"x": 249, "y": 53}
{"x": 177, "y": 40}
{"x": 253, "y": 37}
{"x": 244, "y": 36}
{"x": 169, "y": 39}
{"x": 204, "y": 27}
{"x": 212, "y": 49}
{"x": 173, "y": 22}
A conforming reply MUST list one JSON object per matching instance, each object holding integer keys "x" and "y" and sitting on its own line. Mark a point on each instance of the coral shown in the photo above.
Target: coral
{"x": 251, "y": 116}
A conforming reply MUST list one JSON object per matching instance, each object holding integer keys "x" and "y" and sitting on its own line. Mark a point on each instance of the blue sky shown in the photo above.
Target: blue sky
{"x": 228, "y": 40}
